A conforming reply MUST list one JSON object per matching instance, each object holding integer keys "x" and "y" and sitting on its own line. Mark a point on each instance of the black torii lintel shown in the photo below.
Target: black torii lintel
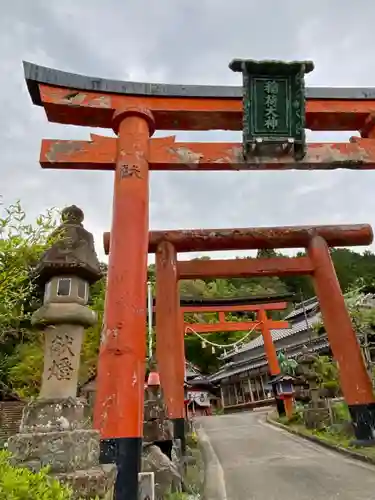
{"x": 35, "y": 75}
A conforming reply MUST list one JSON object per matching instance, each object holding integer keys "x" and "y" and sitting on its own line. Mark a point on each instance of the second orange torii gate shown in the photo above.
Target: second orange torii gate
{"x": 317, "y": 263}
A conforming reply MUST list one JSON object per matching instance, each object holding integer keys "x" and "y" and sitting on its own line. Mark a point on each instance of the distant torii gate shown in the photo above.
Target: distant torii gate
{"x": 223, "y": 325}
{"x": 168, "y": 340}
{"x": 270, "y": 109}
{"x": 263, "y": 323}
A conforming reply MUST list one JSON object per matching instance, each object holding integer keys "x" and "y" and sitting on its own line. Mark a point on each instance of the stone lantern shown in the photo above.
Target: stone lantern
{"x": 53, "y": 429}
{"x": 316, "y": 414}
{"x": 284, "y": 390}
{"x": 66, "y": 270}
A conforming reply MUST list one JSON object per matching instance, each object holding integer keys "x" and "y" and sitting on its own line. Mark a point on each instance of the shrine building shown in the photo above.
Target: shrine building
{"x": 244, "y": 380}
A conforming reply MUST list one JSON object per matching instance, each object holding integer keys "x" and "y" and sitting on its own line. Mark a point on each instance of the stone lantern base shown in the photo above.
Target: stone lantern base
{"x": 55, "y": 433}
{"x": 316, "y": 415}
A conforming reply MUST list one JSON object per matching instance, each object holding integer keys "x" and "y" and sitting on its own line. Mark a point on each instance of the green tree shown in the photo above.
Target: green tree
{"x": 21, "y": 246}
{"x": 287, "y": 365}
{"x": 328, "y": 375}
{"x": 266, "y": 253}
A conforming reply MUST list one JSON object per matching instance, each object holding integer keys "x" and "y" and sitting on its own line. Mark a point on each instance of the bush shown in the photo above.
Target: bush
{"x": 340, "y": 413}
{"x": 331, "y": 388}
{"x": 192, "y": 440}
{"x": 18, "y": 483}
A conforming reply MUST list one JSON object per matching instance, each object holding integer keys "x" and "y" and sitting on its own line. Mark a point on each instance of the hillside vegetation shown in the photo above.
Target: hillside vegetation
{"x": 21, "y": 351}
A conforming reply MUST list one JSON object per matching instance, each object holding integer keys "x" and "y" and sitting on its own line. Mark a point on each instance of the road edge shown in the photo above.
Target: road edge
{"x": 324, "y": 444}
{"x": 214, "y": 483}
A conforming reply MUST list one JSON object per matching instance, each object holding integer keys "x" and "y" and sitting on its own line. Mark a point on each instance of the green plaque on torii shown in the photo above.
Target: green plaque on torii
{"x": 273, "y": 107}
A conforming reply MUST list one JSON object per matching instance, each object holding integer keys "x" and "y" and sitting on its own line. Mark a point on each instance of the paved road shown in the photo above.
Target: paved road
{"x": 261, "y": 462}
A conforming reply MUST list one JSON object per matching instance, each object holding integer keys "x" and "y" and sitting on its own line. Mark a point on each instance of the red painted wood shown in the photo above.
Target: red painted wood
{"x": 121, "y": 367}
{"x": 96, "y": 109}
{"x": 355, "y": 381}
{"x": 233, "y": 326}
{"x": 166, "y": 154}
{"x": 170, "y": 349}
{"x": 208, "y": 240}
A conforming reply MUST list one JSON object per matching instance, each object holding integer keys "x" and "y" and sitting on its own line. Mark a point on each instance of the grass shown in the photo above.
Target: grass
{"x": 177, "y": 496}
{"x": 180, "y": 496}
{"x": 332, "y": 435}
{"x": 194, "y": 472}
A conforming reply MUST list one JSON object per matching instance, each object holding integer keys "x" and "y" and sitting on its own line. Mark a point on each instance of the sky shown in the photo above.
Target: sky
{"x": 190, "y": 42}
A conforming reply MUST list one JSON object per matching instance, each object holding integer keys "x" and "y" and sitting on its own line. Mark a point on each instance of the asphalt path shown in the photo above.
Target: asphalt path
{"x": 262, "y": 462}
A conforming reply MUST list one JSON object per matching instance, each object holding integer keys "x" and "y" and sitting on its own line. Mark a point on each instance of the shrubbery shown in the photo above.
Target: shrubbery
{"x": 17, "y": 483}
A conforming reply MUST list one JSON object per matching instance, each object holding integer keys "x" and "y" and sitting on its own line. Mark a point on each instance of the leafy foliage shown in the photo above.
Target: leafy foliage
{"x": 341, "y": 412}
{"x": 287, "y": 365}
{"x": 17, "y": 483}
{"x": 21, "y": 245}
{"x": 363, "y": 318}
{"x": 328, "y": 374}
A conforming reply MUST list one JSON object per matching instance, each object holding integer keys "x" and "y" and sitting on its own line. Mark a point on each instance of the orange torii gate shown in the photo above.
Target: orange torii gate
{"x": 262, "y": 322}
{"x": 317, "y": 264}
{"x": 171, "y": 368}
{"x": 270, "y": 109}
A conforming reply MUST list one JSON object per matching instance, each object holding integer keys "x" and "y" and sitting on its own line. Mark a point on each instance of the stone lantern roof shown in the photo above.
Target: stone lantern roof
{"x": 73, "y": 252}
{"x": 307, "y": 357}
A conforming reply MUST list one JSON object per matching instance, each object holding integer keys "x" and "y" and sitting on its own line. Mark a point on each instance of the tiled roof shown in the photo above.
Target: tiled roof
{"x": 235, "y": 368}
{"x": 191, "y": 370}
{"x": 306, "y": 306}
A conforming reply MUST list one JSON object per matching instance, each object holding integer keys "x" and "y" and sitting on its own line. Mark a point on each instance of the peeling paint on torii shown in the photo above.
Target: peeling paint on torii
{"x": 166, "y": 154}
{"x": 134, "y": 111}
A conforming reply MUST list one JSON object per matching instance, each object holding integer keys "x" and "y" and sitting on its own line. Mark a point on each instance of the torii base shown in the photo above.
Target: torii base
{"x": 179, "y": 432}
{"x": 363, "y": 420}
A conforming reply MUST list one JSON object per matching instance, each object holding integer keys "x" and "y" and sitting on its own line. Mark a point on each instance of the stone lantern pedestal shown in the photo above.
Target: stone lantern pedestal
{"x": 53, "y": 430}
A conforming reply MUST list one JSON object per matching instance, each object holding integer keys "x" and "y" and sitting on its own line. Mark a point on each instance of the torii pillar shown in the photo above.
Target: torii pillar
{"x": 355, "y": 381}
{"x": 271, "y": 355}
{"x": 121, "y": 368}
{"x": 170, "y": 336}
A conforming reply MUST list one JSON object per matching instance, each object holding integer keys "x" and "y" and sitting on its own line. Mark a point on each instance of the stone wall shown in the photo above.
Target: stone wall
{"x": 10, "y": 418}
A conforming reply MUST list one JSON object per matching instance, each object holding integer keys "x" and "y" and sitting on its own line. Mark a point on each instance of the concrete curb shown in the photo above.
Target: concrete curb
{"x": 316, "y": 440}
{"x": 214, "y": 483}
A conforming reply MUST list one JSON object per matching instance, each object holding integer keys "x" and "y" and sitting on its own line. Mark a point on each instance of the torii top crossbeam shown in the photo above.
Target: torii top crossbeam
{"x": 82, "y": 100}
{"x": 40, "y": 75}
